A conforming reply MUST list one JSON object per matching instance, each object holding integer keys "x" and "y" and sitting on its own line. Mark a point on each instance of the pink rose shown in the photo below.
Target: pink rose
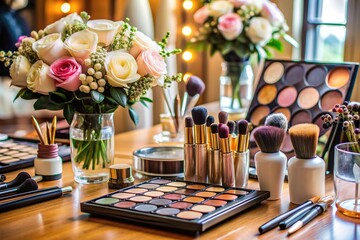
{"x": 65, "y": 71}
{"x": 150, "y": 62}
{"x": 230, "y": 26}
{"x": 201, "y": 15}
{"x": 271, "y": 12}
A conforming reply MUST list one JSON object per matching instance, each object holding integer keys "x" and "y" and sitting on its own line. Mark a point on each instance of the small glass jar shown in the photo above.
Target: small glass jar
{"x": 120, "y": 176}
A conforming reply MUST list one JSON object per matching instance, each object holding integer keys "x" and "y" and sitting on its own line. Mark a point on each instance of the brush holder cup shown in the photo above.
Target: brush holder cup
{"x": 347, "y": 179}
{"x": 169, "y": 133}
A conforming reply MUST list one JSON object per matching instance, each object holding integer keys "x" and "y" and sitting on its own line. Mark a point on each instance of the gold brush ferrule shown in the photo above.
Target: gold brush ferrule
{"x": 225, "y": 145}
{"x": 200, "y": 136}
{"x": 247, "y": 140}
{"x": 241, "y": 144}
{"x": 208, "y": 137}
{"x": 215, "y": 144}
{"x": 189, "y": 136}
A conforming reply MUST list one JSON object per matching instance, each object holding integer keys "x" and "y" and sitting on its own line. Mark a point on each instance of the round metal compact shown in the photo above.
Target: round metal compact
{"x": 166, "y": 161}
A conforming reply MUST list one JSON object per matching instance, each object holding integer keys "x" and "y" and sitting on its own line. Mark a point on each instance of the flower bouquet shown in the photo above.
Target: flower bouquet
{"x": 238, "y": 29}
{"x": 88, "y": 67}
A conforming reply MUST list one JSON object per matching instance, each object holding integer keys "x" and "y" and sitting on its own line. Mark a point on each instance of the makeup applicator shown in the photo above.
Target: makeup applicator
{"x": 209, "y": 120}
{"x": 20, "y": 178}
{"x": 277, "y": 120}
{"x": 189, "y": 150}
{"x": 241, "y": 155}
{"x": 270, "y": 162}
{"x": 28, "y": 185}
{"x": 199, "y": 115}
{"x": 194, "y": 88}
{"x": 223, "y": 117}
{"x": 232, "y": 135}
{"x": 214, "y": 159}
{"x": 228, "y": 171}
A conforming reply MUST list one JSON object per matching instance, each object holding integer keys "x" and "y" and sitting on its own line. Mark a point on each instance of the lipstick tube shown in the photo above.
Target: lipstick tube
{"x": 214, "y": 160}
{"x": 200, "y": 153}
{"x": 228, "y": 171}
{"x": 189, "y": 155}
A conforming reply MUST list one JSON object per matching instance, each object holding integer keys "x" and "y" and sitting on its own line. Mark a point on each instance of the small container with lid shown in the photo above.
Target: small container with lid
{"x": 48, "y": 163}
{"x": 120, "y": 176}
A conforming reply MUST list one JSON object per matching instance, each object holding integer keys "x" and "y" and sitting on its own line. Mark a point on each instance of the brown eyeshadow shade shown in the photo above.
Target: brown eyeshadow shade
{"x": 160, "y": 202}
{"x": 259, "y": 114}
{"x": 308, "y": 98}
{"x": 168, "y": 211}
{"x": 185, "y": 191}
{"x": 338, "y": 77}
{"x": 215, "y": 189}
{"x": 125, "y": 204}
{"x": 146, "y": 207}
{"x": 316, "y": 76}
{"x": 193, "y": 199}
{"x": 195, "y": 186}
{"x": 174, "y": 196}
{"x": 176, "y": 184}
{"x": 273, "y": 73}
{"x": 266, "y": 94}
{"x": 203, "y": 208}
{"x": 295, "y": 74}
{"x": 287, "y": 96}
{"x": 181, "y": 205}
{"x": 149, "y": 185}
{"x": 154, "y": 193}
{"x": 227, "y": 197}
{"x": 284, "y": 111}
{"x": 205, "y": 194}
{"x": 215, "y": 203}
{"x": 189, "y": 215}
{"x": 329, "y": 99}
{"x": 140, "y": 199}
{"x": 160, "y": 181}
{"x": 237, "y": 192}
{"x": 301, "y": 116}
{"x": 123, "y": 195}
{"x": 136, "y": 190}
{"x": 167, "y": 189}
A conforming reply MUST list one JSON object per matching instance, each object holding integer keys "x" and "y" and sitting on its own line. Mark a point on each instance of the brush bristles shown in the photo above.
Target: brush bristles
{"x": 223, "y": 130}
{"x": 231, "y": 125}
{"x": 214, "y": 128}
{"x": 304, "y": 138}
{"x": 277, "y": 120}
{"x": 209, "y": 120}
{"x": 195, "y": 86}
{"x": 223, "y": 117}
{"x": 199, "y": 115}
{"x": 189, "y": 122}
{"x": 269, "y": 138}
{"x": 242, "y": 127}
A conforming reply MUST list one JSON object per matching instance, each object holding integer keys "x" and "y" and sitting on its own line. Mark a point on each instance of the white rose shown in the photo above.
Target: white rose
{"x": 121, "y": 68}
{"x": 81, "y": 44}
{"x": 259, "y": 30}
{"x": 59, "y": 25}
{"x": 105, "y": 29}
{"x": 218, "y": 8}
{"x": 50, "y": 48}
{"x": 38, "y": 79}
{"x": 142, "y": 42}
{"x": 19, "y": 70}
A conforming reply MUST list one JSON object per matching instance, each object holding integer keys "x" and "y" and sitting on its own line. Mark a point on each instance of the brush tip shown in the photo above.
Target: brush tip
{"x": 189, "y": 122}
{"x": 242, "y": 127}
{"x": 223, "y": 117}
{"x": 195, "y": 86}
{"x": 199, "y": 115}
{"x": 269, "y": 138}
{"x": 277, "y": 120}
{"x": 223, "y": 130}
{"x": 28, "y": 185}
{"x": 209, "y": 120}
{"x": 214, "y": 128}
{"x": 231, "y": 126}
{"x": 304, "y": 138}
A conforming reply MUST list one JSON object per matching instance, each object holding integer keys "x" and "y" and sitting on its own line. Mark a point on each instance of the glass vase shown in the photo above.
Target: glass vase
{"x": 92, "y": 146}
{"x": 236, "y": 86}
{"x": 347, "y": 179}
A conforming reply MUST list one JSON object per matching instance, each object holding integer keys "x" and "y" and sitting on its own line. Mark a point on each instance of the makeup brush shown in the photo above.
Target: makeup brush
{"x": 214, "y": 158}
{"x": 194, "y": 88}
{"x": 242, "y": 133}
{"x": 214, "y": 139}
{"x": 228, "y": 170}
{"x": 269, "y": 138}
{"x": 37, "y": 129}
{"x": 20, "y": 178}
{"x": 304, "y": 138}
{"x": 209, "y": 120}
{"x": 28, "y": 185}
{"x": 189, "y": 150}
{"x": 277, "y": 120}
{"x": 232, "y": 135}
{"x": 199, "y": 115}
{"x": 53, "y": 129}
{"x": 241, "y": 155}
{"x": 223, "y": 117}
{"x": 177, "y": 112}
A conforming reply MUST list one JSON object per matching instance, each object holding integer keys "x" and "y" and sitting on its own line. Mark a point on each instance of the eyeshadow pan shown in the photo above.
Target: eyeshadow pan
{"x": 125, "y": 204}
{"x": 21, "y": 154}
{"x": 18, "y": 147}
{"x": 149, "y": 186}
{"x": 193, "y": 199}
{"x": 122, "y": 195}
{"x": 287, "y": 146}
{"x": 160, "y": 202}
{"x": 237, "y": 192}
{"x": 146, "y": 207}
{"x": 136, "y": 190}
{"x": 3, "y": 150}
{"x": 308, "y": 98}
{"x": 154, "y": 193}
{"x": 284, "y": 111}
{"x": 215, "y": 203}
{"x": 28, "y": 156}
{"x": 167, "y": 189}
{"x": 140, "y": 199}
{"x": 177, "y": 184}
{"x": 338, "y": 77}
{"x": 5, "y": 158}
{"x": 8, "y": 145}
{"x": 273, "y": 73}
{"x": 185, "y": 191}
{"x": 168, "y": 211}
{"x": 195, "y": 186}
{"x": 287, "y": 96}
{"x": 295, "y": 74}
{"x": 11, "y": 153}
{"x": 181, "y": 205}
{"x": 266, "y": 94}
{"x": 174, "y": 196}
{"x": 227, "y": 197}
{"x": 203, "y": 208}
{"x": 10, "y": 160}
{"x": 215, "y": 189}
{"x": 205, "y": 194}
{"x": 189, "y": 215}
{"x": 259, "y": 114}
{"x": 329, "y": 99}
{"x": 160, "y": 181}
{"x": 301, "y": 116}
{"x": 316, "y": 76}
{"x": 107, "y": 201}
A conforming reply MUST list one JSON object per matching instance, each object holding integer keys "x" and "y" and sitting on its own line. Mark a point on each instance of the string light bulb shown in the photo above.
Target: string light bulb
{"x": 186, "y": 77}
{"x": 188, "y": 4}
{"x": 65, "y": 7}
{"x": 187, "y": 56}
{"x": 186, "y": 31}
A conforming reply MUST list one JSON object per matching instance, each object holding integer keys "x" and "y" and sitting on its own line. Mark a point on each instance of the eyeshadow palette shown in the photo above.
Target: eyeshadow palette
{"x": 17, "y": 154}
{"x": 176, "y": 204}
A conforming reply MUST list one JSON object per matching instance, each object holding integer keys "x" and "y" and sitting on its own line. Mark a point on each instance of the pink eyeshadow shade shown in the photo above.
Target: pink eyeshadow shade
{"x": 125, "y": 204}
{"x": 123, "y": 195}
{"x": 287, "y": 96}
{"x": 181, "y": 205}
{"x": 136, "y": 190}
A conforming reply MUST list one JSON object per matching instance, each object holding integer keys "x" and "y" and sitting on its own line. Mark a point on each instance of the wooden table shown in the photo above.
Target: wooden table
{"x": 61, "y": 218}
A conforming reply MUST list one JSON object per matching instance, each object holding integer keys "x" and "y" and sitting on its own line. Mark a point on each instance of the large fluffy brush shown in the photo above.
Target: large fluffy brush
{"x": 269, "y": 138}
{"x": 223, "y": 117}
{"x": 194, "y": 88}
{"x": 277, "y": 120}
{"x": 304, "y": 138}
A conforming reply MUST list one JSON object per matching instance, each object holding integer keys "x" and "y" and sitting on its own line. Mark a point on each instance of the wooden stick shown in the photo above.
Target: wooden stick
{"x": 45, "y": 135}
{"x": 37, "y": 129}
{"x": 53, "y": 129}
{"x": 48, "y": 133}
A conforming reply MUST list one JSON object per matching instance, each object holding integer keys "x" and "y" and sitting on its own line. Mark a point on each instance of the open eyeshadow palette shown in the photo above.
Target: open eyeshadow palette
{"x": 16, "y": 154}
{"x": 178, "y": 204}
{"x": 302, "y": 91}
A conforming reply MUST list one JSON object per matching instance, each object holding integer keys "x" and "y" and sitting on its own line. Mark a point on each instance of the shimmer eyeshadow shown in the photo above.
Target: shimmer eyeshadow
{"x": 140, "y": 199}
{"x": 215, "y": 203}
{"x": 185, "y": 191}
{"x": 215, "y": 189}
{"x": 237, "y": 192}
{"x": 177, "y": 184}
{"x": 203, "y": 208}
{"x": 166, "y": 189}
{"x": 125, "y": 204}
{"x": 160, "y": 181}
{"x": 174, "y": 196}
{"x": 149, "y": 186}
{"x": 123, "y": 195}
{"x": 195, "y": 186}
{"x": 160, "y": 202}
{"x": 136, "y": 190}
{"x": 107, "y": 201}
{"x": 205, "y": 194}
{"x": 181, "y": 205}
{"x": 189, "y": 215}
{"x": 227, "y": 197}
{"x": 154, "y": 193}
{"x": 193, "y": 199}
{"x": 168, "y": 211}
{"x": 145, "y": 207}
